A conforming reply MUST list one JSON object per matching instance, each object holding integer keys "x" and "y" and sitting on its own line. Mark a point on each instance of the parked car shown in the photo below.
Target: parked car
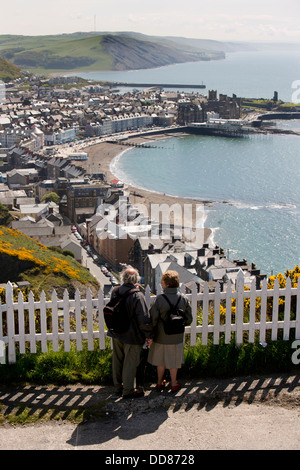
{"x": 114, "y": 281}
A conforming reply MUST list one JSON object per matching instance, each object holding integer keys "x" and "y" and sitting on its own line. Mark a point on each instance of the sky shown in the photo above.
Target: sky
{"x": 226, "y": 20}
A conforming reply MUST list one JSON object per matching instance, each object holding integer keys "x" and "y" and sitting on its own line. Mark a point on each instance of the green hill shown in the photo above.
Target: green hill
{"x": 88, "y": 51}
{"x": 25, "y": 259}
{"x": 8, "y": 71}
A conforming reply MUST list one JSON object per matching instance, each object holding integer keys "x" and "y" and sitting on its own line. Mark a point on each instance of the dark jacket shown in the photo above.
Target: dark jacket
{"x": 159, "y": 312}
{"x": 140, "y": 326}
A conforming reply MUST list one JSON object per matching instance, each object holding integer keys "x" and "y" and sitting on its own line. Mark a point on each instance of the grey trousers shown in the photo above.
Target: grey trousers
{"x": 125, "y": 360}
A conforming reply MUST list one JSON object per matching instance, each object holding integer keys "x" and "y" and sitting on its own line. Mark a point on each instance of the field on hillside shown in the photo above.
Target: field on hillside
{"x": 86, "y": 52}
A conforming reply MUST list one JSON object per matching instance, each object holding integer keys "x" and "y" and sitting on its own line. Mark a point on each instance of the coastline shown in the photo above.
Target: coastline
{"x": 100, "y": 157}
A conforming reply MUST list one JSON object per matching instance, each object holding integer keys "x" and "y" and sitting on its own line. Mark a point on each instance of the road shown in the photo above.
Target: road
{"x": 87, "y": 261}
{"x": 94, "y": 269}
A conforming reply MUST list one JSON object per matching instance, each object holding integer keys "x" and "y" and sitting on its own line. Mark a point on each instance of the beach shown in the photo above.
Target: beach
{"x": 100, "y": 157}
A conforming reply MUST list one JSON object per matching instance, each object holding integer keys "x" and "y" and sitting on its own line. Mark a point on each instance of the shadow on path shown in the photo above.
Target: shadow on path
{"x": 106, "y": 416}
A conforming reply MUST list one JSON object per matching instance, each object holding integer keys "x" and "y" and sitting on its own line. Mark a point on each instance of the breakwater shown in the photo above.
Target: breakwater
{"x": 282, "y": 116}
{"x": 153, "y": 85}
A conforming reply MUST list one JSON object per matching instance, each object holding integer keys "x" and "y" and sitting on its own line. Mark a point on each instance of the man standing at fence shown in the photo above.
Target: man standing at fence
{"x": 127, "y": 346}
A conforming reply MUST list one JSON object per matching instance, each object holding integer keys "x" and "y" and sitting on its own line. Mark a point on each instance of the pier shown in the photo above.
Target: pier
{"x": 133, "y": 144}
{"x": 219, "y": 130}
{"x": 277, "y": 115}
{"x": 153, "y": 85}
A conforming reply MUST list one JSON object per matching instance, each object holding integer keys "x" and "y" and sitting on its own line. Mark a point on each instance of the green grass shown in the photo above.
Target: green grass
{"x": 229, "y": 360}
{"x": 94, "y": 367}
{"x": 51, "y": 54}
{"x": 61, "y": 368}
{"x": 84, "y": 54}
{"x": 94, "y": 51}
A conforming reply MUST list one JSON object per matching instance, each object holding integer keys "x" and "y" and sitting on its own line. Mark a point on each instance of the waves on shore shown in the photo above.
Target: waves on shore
{"x": 259, "y": 219}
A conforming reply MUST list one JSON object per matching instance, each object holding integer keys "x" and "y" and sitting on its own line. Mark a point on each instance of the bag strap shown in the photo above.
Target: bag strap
{"x": 169, "y": 302}
{"x": 127, "y": 293}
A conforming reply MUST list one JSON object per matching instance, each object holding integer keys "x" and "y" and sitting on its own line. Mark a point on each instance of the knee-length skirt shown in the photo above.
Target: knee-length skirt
{"x": 167, "y": 355}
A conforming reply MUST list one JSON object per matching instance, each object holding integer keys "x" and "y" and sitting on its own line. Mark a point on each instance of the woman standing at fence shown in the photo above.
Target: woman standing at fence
{"x": 166, "y": 351}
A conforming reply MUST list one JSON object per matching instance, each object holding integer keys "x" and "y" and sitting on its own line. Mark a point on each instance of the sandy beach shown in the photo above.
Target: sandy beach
{"x": 100, "y": 157}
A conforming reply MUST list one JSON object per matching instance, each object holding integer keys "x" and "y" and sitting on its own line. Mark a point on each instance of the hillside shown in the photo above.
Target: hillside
{"x": 27, "y": 260}
{"x": 80, "y": 51}
{"x": 8, "y": 71}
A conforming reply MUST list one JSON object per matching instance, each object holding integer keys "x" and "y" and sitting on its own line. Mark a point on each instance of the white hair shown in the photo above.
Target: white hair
{"x": 130, "y": 275}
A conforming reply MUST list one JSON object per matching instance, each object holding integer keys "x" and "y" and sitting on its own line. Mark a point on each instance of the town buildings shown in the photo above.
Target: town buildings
{"x": 35, "y": 123}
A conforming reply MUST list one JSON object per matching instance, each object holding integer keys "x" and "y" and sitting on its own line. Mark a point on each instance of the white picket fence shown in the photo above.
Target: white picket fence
{"x": 30, "y": 322}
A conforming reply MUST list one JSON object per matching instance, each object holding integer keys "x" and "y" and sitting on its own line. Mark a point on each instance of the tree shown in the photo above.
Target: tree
{"x": 5, "y": 217}
{"x": 51, "y": 197}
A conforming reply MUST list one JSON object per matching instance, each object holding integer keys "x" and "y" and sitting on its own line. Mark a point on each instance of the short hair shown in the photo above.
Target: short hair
{"x": 171, "y": 278}
{"x": 130, "y": 275}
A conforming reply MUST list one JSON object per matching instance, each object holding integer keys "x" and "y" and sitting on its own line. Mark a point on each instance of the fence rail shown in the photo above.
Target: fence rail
{"x": 247, "y": 314}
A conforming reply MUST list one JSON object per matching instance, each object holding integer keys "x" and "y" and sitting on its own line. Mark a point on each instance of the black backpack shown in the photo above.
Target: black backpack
{"x": 116, "y": 314}
{"x": 175, "y": 323}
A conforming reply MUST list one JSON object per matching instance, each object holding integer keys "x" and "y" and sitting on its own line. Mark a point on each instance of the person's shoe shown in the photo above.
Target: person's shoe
{"x": 176, "y": 387}
{"x": 135, "y": 394}
{"x": 160, "y": 387}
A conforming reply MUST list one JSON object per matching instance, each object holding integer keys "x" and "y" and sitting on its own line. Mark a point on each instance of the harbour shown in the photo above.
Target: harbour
{"x": 253, "y": 213}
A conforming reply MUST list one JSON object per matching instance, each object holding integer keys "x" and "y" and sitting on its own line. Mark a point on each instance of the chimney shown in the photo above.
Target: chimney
{"x": 187, "y": 259}
{"x": 210, "y": 262}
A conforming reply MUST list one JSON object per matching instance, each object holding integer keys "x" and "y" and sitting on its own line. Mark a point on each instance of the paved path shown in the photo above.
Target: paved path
{"x": 244, "y": 413}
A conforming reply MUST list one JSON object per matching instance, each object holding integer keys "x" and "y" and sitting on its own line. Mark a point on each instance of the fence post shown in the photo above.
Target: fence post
{"x": 252, "y": 312}
{"x": 148, "y": 295}
{"x": 78, "y": 321}
{"x": 263, "y": 311}
{"x": 66, "y": 321}
{"x": 31, "y": 316}
{"x": 89, "y": 319}
{"x": 217, "y": 314}
{"x": 297, "y": 333}
{"x": 21, "y": 323}
{"x": 43, "y": 320}
{"x": 205, "y": 307}
{"x": 54, "y": 321}
{"x": 228, "y": 313}
{"x": 9, "y": 298}
{"x": 194, "y": 313}
{"x": 287, "y": 309}
{"x": 275, "y": 310}
{"x": 239, "y": 312}
{"x": 101, "y": 319}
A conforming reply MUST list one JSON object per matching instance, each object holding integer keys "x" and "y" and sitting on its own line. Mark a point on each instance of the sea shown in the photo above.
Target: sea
{"x": 252, "y": 183}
